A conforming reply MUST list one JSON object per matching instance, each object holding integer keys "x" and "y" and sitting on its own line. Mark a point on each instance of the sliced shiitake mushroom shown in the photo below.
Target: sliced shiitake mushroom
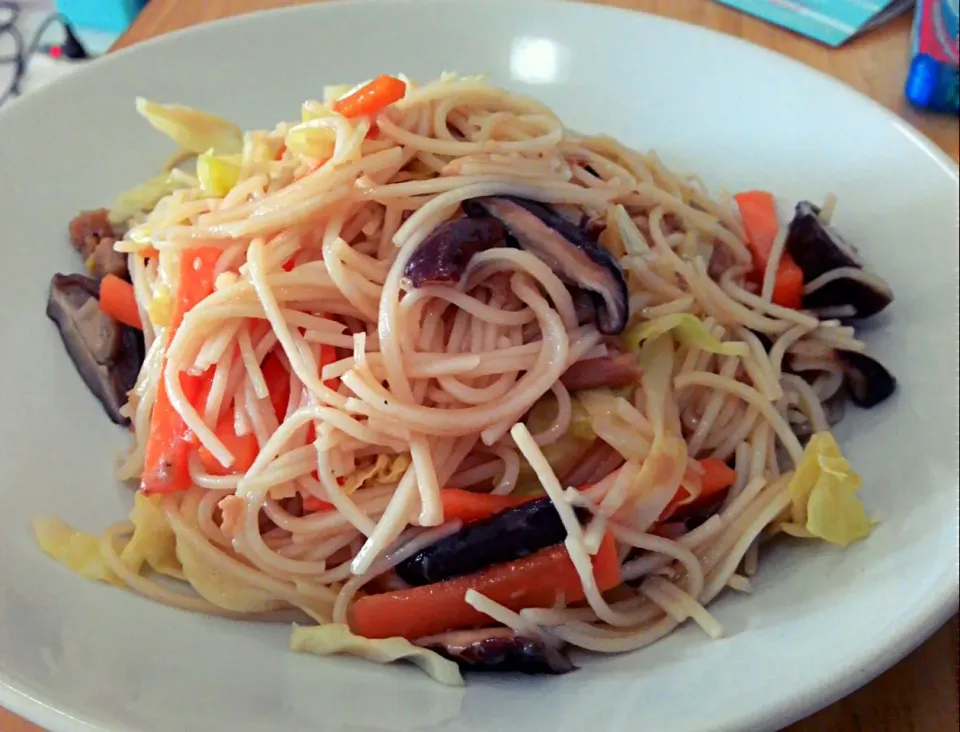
{"x": 443, "y": 256}
{"x": 867, "y": 381}
{"x": 818, "y": 249}
{"x": 498, "y": 649}
{"x": 107, "y": 354}
{"x": 567, "y": 248}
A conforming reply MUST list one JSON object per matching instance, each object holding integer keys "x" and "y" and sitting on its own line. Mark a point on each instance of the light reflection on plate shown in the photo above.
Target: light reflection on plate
{"x": 538, "y": 61}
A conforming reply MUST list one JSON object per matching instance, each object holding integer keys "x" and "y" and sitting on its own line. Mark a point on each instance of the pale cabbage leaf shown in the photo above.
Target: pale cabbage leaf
{"x": 823, "y": 495}
{"x": 151, "y": 543}
{"x": 218, "y": 173}
{"x": 626, "y": 438}
{"x": 687, "y": 329}
{"x": 312, "y": 139}
{"x": 143, "y": 197}
{"x": 223, "y": 589}
{"x": 384, "y": 470}
{"x": 192, "y": 129}
{"x": 326, "y": 640}
{"x": 78, "y": 551}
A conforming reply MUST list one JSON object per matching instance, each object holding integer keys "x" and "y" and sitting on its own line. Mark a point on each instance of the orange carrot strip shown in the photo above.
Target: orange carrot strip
{"x": 717, "y": 476}
{"x": 371, "y": 98}
{"x": 312, "y": 504}
{"x": 168, "y": 445}
{"x": 788, "y": 285}
{"x": 758, "y": 212}
{"x": 540, "y": 580}
{"x": 278, "y": 384}
{"x": 244, "y": 448}
{"x": 118, "y": 300}
{"x": 467, "y": 506}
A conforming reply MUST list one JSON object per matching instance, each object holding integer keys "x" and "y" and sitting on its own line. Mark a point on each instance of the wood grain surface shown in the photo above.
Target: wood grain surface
{"x": 920, "y": 693}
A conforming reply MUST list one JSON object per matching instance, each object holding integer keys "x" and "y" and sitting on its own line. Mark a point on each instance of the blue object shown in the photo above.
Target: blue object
{"x": 934, "y": 79}
{"x": 113, "y": 16}
{"x": 933, "y": 85}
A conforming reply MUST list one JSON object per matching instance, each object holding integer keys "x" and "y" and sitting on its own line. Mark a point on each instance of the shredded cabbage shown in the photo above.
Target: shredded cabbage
{"x": 326, "y": 640}
{"x": 160, "y": 308}
{"x": 685, "y": 328}
{"x": 823, "y": 496}
{"x": 562, "y": 455}
{"x": 151, "y": 543}
{"x": 602, "y": 407}
{"x": 544, "y": 411}
{"x": 143, "y": 197}
{"x": 384, "y": 470}
{"x": 222, "y": 589}
{"x": 192, "y": 129}
{"x": 260, "y": 150}
{"x": 336, "y": 92}
{"x": 313, "y": 139}
{"x": 312, "y": 110}
{"x": 218, "y": 173}
{"x": 78, "y": 551}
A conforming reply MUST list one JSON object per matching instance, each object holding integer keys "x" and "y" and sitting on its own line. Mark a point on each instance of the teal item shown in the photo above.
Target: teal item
{"x": 113, "y": 16}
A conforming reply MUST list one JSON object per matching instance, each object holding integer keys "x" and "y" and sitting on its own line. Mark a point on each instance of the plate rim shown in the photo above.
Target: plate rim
{"x": 934, "y": 610}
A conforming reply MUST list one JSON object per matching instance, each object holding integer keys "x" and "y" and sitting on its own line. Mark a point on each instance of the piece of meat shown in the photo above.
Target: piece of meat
{"x": 602, "y": 373}
{"x": 107, "y": 260}
{"x": 231, "y": 511}
{"x": 88, "y": 228}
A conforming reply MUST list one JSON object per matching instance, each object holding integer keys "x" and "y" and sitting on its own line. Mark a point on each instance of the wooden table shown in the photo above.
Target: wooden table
{"x": 920, "y": 693}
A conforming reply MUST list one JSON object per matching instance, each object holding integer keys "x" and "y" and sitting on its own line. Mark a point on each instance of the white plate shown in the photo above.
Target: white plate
{"x": 76, "y": 656}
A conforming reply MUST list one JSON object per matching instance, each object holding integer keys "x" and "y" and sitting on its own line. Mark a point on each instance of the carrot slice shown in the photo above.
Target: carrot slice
{"x": 717, "y": 477}
{"x": 245, "y": 449}
{"x": 467, "y": 506}
{"x": 371, "y": 98}
{"x": 540, "y": 580}
{"x": 758, "y": 212}
{"x": 118, "y": 300}
{"x": 278, "y": 384}
{"x": 312, "y": 504}
{"x": 788, "y": 286}
{"x": 168, "y": 445}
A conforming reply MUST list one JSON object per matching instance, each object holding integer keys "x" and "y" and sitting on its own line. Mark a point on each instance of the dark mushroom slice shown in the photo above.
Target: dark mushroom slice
{"x": 866, "y": 380}
{"x": 818, "y": 249}
{"x": 567, "y": 248}
{"x": 445, "y": 253}
{"x": 583, "y": 306}
{"x": 867, "y": 293}
{"x": 108, "y": 355}
{"x": 498, "y": 649}
{"x": 609, "y": 372}
{"x": 512, "y": 534}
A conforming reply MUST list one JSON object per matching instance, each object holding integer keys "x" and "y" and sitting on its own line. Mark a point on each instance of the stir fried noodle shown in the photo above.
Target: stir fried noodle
{"x": 354, "y": 322}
